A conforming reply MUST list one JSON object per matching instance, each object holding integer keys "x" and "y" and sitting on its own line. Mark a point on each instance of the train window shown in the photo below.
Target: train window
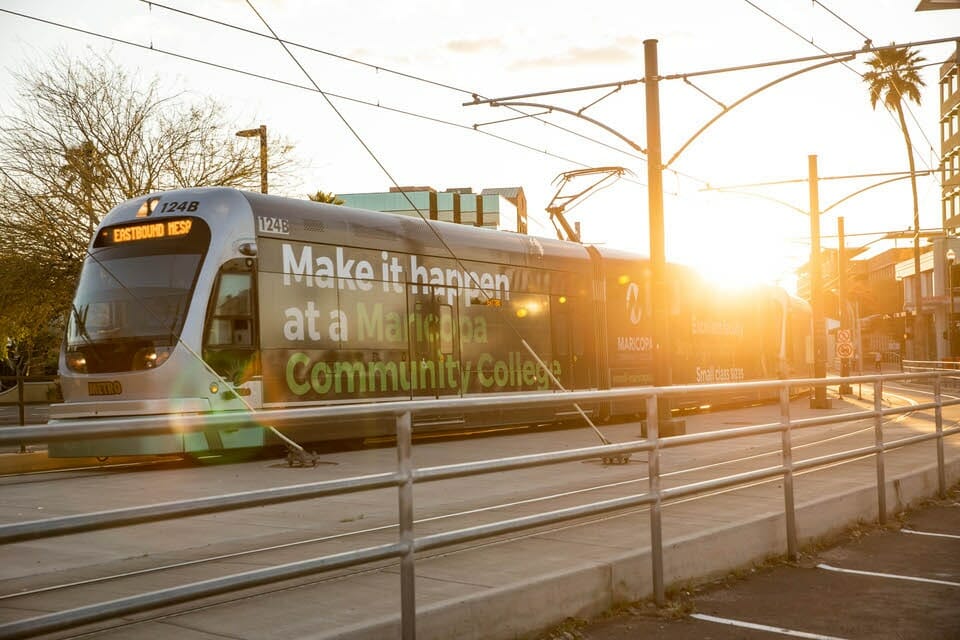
{"x": 230, "y": 337}
{"x": 561, "y": 330}
{"x": 231, "y": 323}
{"x": 446, "y": 329}
{"x": 233, "y": 295}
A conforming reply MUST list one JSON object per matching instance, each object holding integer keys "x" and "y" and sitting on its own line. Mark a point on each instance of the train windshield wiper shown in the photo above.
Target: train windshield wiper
{"x": 80, "y": 318}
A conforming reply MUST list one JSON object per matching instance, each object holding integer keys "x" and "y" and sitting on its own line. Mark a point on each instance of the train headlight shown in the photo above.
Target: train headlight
{"x": 76, "y": 362}
{"x": 214, "y": 388}
{"x": 151, "y": 357}
{"x": 161, "y": 355}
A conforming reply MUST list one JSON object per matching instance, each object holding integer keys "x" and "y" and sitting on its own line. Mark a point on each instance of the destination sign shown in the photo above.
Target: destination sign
{"x": 176, "y": 228}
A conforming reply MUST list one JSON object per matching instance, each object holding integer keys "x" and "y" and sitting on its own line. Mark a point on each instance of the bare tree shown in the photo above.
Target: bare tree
{"x": 83, "y": 136}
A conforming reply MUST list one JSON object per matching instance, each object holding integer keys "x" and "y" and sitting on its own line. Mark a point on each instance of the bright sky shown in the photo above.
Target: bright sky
{"x": 499, "y": 48}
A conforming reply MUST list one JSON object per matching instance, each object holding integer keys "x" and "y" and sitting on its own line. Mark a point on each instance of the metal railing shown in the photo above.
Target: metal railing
{"x": 405, "y": 476}
{"x": 949, "y": 370}
{"x": 27, "y": 391}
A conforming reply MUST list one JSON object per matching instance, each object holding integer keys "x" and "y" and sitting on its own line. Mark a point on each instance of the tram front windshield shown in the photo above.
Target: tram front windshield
{"x": 132, "y": 298}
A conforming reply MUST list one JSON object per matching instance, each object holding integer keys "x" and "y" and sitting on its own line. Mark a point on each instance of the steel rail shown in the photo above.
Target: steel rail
{"x": 183, "y": 593}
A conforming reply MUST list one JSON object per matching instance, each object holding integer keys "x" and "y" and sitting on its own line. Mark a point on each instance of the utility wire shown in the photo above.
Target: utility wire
{"x": 180, "y": 56}
{"x": 831, "y": 12}
{"x": 417, "y": 78}
{"x": 796, "y": 33}
{"x": 508, "y": 321}
{"x": 867, "y": 44}
{"x": 388, "y": 70}
{"x": 868, "y": 41}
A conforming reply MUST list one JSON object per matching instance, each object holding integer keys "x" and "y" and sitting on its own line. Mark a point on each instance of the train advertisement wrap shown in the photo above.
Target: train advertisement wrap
{"x": 215, "y": 299}
{"x": 342, "y": 323}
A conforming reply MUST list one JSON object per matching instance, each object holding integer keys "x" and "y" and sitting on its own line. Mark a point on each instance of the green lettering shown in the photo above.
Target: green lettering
{"x": 428, "y": 367}
{"x": 351, "y": 372}
{"x": 293, "y": 383}
{"x": 394, "y": 327}
{"x": 386, "y": 373}
{"x": 486, "y": 380}
{"x": 320, "y": 386}
{"x": 371, "y": 325}
{"x": 529, "y": 372}
{"x": 480, "y": 330}
{"x": 501, "y": 373}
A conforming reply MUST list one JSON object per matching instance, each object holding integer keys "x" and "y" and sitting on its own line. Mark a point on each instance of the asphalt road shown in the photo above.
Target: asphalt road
{"x": 899, "y": 581}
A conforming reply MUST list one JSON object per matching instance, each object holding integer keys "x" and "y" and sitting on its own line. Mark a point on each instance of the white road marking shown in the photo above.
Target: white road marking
{"x": 892, "y": 576}
{"x": 763, "y": 627}
{"x": 930, "y": 533}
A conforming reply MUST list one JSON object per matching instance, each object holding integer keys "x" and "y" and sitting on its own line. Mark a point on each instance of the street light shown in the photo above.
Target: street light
{"x": 260, "y": 132}
{"x": 951, "y": 258}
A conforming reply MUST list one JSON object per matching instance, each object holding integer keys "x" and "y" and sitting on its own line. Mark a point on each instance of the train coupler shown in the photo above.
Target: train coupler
{"x": 619, "y": 458}
{"x": 301, "y": 458}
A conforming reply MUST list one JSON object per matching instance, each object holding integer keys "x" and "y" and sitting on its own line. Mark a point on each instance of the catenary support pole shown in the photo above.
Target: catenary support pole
{"x": 843, "y": 307}
{"x": 662, "y": 376}
{"x": 819, "y": 399}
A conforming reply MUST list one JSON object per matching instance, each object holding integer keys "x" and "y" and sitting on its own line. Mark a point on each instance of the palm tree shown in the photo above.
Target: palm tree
{"x": 892, "y": 78}
{"x": 329, "y": 198}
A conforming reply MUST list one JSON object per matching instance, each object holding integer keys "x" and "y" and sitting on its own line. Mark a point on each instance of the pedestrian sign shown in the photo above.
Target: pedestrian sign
{"x": 844, "y": 350}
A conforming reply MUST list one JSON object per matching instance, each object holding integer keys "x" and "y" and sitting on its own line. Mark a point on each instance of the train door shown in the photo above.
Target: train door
{"x": 569, "y": 347}
{"x": 432, "y": 329}
{"x": 230, "y": 340}
{"x": 231, "y": 348}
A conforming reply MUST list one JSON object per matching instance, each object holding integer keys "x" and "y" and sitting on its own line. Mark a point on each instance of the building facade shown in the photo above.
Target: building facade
{"x": 950, "y": 140}
{"x": 504, "y": 209}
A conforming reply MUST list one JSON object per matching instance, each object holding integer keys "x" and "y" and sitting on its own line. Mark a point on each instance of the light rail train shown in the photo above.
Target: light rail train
{"x": 216, "y": 300}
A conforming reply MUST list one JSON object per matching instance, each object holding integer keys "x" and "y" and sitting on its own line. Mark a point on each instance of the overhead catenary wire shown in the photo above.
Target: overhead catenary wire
{"x": 868, "y": 40}
{"x": 684, "y": 76}
{"x": 436, "y": 232}
{"x": 154, "y": 49}
{"x": 835, "y": 15}
{"x": 868, "y": 45}
{"x": 379, "y": 68}
{"x": 223, "y": 67}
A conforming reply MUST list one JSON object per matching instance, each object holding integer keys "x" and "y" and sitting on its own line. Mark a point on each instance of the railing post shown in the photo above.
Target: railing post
{"x": 938, "y": 418}
{"x": 653, "y": 474}
{"x": 878, "y": 446}
{"x": 789, "y": 511}
{"x": 21, "y": 409}
{"x": 408, "y": 606}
